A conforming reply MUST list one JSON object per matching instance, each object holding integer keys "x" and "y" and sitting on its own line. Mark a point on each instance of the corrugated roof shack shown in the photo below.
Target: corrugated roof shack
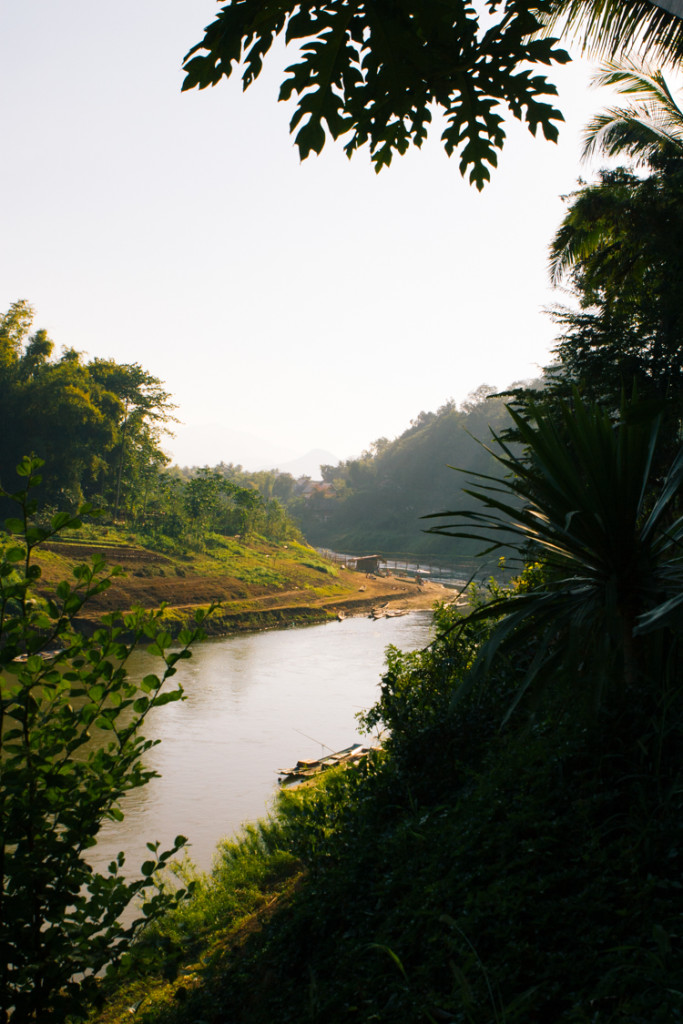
{"x": 367, "y": 563}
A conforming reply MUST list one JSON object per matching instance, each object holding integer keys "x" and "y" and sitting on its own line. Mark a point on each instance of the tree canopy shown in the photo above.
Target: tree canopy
{"x": 96, "y": 424}
{"x": 374, "y": 71}
{"x": 618, "y": 249}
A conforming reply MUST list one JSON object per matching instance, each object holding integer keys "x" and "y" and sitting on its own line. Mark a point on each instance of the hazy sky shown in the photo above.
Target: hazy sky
{"x": 313, "y": 305}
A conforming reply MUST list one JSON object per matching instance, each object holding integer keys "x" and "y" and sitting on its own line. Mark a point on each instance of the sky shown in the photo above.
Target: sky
{"x": 287, "y": 306}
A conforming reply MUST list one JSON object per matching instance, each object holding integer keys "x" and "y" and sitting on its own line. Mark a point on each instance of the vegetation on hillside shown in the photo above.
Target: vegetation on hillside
{"x": 98, "y": 426}
{"x": 60, "y": 920}
{"x": 71, "y": 720}
{"x": 376, "y": 502}
{"x": 514, "y": 851}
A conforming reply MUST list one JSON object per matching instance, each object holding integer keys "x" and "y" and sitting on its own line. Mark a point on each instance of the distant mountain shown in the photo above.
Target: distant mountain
{"x": 307, "y": 465}
{"x": 208, "y": 444}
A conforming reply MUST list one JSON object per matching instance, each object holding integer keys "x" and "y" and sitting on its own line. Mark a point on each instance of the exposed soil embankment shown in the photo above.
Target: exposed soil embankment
{"x": 302, "y": 595}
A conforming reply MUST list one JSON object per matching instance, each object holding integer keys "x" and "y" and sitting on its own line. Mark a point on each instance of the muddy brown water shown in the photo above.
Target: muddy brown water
{"x": 254, "y": 704}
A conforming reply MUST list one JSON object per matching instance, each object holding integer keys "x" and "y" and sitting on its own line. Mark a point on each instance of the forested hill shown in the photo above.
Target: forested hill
{"x": 98, "y": 426}
{"x": 375, "y": 502}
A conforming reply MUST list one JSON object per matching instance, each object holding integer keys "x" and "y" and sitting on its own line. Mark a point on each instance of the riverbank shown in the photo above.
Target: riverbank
{"x": 257, "y": 586}
{"x": 467, "y": 873}
{"x": 255, "y": 703}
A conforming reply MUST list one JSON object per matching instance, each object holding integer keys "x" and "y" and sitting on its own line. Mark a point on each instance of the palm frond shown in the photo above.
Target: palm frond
{"x": 600, "y": 230}
{"x": 626, "y": 131}
{"x": 638, "y": 80}
{"x": 613, "y": 28}
{"x": 653, "y": 126}
{"x": 578, "y": 238}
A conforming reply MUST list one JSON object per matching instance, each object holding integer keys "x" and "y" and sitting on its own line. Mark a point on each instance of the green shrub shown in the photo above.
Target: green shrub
{"x": 59, "y": 919}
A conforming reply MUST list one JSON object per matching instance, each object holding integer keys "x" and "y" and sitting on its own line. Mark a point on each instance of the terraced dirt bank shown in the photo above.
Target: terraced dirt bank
{"x": 258, "y": 586}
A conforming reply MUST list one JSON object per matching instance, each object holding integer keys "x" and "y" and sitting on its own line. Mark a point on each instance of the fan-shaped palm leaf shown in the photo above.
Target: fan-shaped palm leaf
{"x": 615, "y": 555}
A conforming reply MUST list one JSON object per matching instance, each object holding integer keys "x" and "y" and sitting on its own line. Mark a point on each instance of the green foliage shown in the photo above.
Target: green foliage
{"x": 380, "y": 497}
{"x": 472, "y": 873}
{"x": 618, "y": 235}
{"x": 189, "y": 507}
{"x": 60, "y": 690}
{"x": 648, "y": 131}
{"x": 374, "y": 72}
{"x": 417, "y": 687}
{"x": 15, "y": 325}
{"x": 247, "y": 872}
{"x": 145, "y": 409}
{"x": 507, "y": 882}
{"x": 612, "y": 28}
{"x": 97, "y": 425}
{"x": 608, "y": 613}
{"x": 373, "y": 503}
{"x": 617, "y": 249}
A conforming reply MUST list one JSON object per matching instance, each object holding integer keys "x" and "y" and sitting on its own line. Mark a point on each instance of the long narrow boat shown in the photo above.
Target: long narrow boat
{"x": 307, "y": 769}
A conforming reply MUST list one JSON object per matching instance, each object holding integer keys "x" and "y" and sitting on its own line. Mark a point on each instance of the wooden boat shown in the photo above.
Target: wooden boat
{"x": 387, "y": 613}
{"x": 44, "y": 655}
{"x": 308, "y": 769}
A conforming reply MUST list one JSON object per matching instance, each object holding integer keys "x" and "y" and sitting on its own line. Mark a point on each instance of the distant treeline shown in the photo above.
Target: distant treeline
{"x": 99, "y": 427}
{"x": 376, "y": 502}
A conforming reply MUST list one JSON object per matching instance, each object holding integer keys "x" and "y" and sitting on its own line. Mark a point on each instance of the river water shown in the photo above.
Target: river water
{"x": 255, "y": 704}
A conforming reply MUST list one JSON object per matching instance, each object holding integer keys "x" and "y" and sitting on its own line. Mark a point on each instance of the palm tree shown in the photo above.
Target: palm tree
{"x": 602, "y": 215}
{"x": 649, "y": 132}
{"x": 605, "y": 234}
{"x": 619, "y": 244}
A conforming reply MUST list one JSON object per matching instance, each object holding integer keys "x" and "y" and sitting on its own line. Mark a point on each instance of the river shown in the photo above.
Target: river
{"x": 254, "y": 704}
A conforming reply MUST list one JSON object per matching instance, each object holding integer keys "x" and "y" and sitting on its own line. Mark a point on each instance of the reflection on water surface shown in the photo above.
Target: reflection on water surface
{"x": 255, "y": 704}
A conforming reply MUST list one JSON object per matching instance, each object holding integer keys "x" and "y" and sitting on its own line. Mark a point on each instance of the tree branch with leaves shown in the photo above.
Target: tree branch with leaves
{"x": 60, "y": 920}
{"x": 374, "y": 72}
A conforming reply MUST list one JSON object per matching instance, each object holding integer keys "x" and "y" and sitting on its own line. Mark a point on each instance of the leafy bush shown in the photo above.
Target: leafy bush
{"x": 476, "y": 872}
{"x": 608, "y": 613}
{"x": 59, "y": 690}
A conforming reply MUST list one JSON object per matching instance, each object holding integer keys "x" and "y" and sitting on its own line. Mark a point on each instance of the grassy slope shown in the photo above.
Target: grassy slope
{"x": 258, "y": 583}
